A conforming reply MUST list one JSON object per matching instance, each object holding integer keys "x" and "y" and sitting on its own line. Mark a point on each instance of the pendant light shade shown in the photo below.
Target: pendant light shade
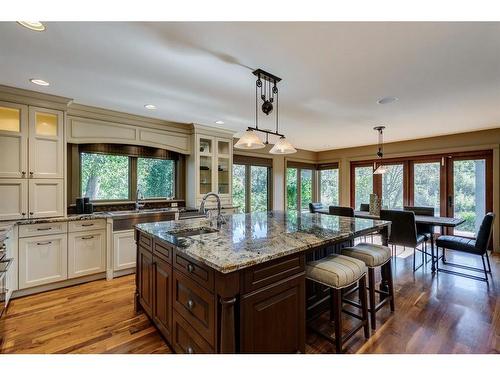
{"x": 249, "y": 141}
{"x": 381, "y": 169}
{"x": 282, "y": 147}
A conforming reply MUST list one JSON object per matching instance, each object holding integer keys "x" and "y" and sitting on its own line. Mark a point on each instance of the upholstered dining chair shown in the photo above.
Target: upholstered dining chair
{"x": 404, "y": 232}
{"x": 341, "y": 211}
{"x": 477, "y": 246}
{"x": 364, "y": 207}
{"x": 426, "y": 229}
{"x": 313, "y": 207}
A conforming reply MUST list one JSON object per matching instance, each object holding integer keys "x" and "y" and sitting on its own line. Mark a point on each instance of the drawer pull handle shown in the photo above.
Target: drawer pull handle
{"x": 44, "y": 243}
{"x": 31, "y": 213}
{"x": 190, "y": 268}
{"x": 49, "y": 228}
{"x": 87, "y": 237}
{"x": 87, "y": 225}
{"x": 23, "y": 213}
{"x": 189, "y": 350}
{"x": 190, "y": 304}
{"x": 4, "y": 246}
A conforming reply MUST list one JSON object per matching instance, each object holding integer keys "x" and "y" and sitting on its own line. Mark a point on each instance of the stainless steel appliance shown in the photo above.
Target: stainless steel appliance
{"x": 4, "y": 267}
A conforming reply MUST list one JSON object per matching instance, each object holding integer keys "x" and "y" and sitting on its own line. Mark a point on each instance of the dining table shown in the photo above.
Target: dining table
{"x": 434, "y": 221}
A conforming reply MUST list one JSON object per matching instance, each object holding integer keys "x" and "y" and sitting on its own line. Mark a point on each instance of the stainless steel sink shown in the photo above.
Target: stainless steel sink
{"x": 191, "y": 232}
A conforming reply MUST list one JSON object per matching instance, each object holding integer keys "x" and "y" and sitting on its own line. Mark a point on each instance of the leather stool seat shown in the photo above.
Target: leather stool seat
{"x": 372, "y": 255}
{"x": 336, "y": 271}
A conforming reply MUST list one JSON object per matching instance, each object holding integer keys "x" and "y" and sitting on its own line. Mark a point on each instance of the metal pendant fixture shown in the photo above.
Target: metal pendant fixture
{"x": 380, "y": 169}
{"x": 267, "y": 85}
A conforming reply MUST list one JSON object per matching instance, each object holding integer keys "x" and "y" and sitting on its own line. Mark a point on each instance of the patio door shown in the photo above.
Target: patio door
{"x": 469, "y": 194}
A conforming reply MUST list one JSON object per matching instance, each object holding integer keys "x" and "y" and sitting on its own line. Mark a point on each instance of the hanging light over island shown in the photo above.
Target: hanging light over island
{"x": 267, "y": 84}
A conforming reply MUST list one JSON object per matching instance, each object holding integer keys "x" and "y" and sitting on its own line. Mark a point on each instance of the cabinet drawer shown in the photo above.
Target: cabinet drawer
{"x": 163, "y": 251}
{"x": 31, "y": 230}
{"x": 185, "y": 338}
{"x": 196, "y": 305}
{"x": 195, "y": 270}
{"x": 270, "y": 272}
{"x": 81, "y": 225}
{"x": 145, "y": 241}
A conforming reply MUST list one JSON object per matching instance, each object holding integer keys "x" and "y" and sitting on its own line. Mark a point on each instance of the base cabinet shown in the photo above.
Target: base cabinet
{"x": 162, "y": 301}
{"x": 86, "y": 253}
{"x": 124, "y": 250}
{"x": 42, "y": 260}
{"x": 145, "y": 279}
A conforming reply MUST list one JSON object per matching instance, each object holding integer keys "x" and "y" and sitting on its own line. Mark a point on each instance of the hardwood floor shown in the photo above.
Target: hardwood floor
{"x": 434, "y": 314}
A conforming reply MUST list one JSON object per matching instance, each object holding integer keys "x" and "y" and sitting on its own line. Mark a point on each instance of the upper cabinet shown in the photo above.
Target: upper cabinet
{"x": 209, "y": 165}
{"x": 46, "y": 144}
{"x": 13, "y": 140}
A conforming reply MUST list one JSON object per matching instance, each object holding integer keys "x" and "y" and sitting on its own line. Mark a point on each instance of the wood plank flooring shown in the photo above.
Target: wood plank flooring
{"x": 434, "y": 314}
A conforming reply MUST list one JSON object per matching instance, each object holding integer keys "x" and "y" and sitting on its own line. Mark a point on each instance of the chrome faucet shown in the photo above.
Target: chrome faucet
{"x": 138, "y": 205}
{"x": 220, "y": 217}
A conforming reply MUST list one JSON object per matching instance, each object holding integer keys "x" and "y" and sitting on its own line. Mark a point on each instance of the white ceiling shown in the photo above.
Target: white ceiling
{"x": 446, "y": 75}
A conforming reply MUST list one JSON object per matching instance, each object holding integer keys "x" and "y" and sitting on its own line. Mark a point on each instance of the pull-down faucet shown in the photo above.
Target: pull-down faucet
{"x": 220, "y": 218}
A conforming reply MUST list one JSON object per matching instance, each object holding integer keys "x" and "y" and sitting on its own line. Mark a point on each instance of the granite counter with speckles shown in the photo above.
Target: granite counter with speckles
{"x": 248, "y": 239}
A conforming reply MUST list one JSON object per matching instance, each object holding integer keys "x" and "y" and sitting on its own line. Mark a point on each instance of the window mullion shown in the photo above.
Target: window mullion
{"x": 132, "y": 177}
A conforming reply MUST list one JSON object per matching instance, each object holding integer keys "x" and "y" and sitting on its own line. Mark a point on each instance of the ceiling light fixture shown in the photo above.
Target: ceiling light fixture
{"x": 381, "y": 169}
{"x": 387, "y": 100}
{"x": 39, "y": 82}
{"x": 150, "y": 106}
{"x": 32, "y": 25}
{"x": 268, "y": 92}
{"x": 219, "y": 122}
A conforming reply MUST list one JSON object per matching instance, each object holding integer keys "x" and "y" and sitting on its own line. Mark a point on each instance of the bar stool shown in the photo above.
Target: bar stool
{"x": 339, "y": 272}
{"x": 374, "y": 256}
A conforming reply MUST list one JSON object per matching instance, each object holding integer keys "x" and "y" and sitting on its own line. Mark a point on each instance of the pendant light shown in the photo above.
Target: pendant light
{"x": 267, "y": 84}
{"x": 381, "y": 169}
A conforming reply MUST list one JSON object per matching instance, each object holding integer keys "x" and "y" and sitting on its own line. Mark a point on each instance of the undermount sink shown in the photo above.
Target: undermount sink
{"x": 191, "y": 232}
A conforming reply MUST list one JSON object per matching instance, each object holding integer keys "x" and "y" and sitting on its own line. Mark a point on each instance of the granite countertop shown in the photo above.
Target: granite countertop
{"x": 249, "y": 239}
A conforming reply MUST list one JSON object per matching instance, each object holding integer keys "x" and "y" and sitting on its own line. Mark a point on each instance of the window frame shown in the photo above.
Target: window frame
{"x": 327, "y": 167}
{"x": 135, "y": 176}
{"x": 299, "y": 166}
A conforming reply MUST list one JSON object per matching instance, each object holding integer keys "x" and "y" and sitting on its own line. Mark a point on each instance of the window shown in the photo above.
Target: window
{"x": 112, "y": 172}
{"x": 300, "y": 185}
{"x": 306, "y": 188}
{"x": 156, "y": 177}
{"x": 426, "y": 185}
{"x": 363, "y": 183}
{"x": 251, "y": 183}
{"x": 291, "y": 189}
{"x": 329, "y": 186}
{"x": 392, "y": 187}
{"x": 104, "y": 177}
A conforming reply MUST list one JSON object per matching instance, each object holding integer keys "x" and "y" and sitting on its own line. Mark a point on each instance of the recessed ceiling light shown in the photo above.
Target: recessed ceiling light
{"x": 150, "y": 106}
{"x": 32, "y": 25}
{"x": 39, "y": 82}
{"x": 387, "y": 100}
{"x": 219, "y": 122}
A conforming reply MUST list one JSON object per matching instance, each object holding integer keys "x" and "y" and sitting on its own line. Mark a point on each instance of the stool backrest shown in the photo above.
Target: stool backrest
{"x": 364, "y": 207}
{"x": 341, "y": 211}
{"x": 484, "y": 234}
{"x": 313, "y": 207}
{"x": 403, "y": 228}
{"x": 422, "y": 211}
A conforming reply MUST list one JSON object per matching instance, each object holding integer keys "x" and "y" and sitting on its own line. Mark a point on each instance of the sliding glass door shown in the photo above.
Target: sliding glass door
{"x": 252, "y": 184}
{"x": 427, "y": 185}
{"x": 392, "y": 187}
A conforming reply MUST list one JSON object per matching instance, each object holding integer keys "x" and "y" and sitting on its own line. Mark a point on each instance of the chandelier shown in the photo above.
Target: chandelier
{"x": 381, "y": 169}
{"x": 267, "y": 85}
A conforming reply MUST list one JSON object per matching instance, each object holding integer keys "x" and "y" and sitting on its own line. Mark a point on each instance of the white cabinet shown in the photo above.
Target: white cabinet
{"x": 42, "y": 260}
{"x": 46, "y": 144}
{"x": 31, "y": 162}
{"x": 46, "y": 198}
{"x": 13, "y": 199}
{"x": 13, "y": 140}
{"x": 124, "y": 250}
{"x": 86, "y": 253}
{"x": 10, "y": 244}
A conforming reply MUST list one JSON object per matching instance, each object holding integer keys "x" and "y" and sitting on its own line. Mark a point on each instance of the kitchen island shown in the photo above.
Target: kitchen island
{"x": 238, "y": 286}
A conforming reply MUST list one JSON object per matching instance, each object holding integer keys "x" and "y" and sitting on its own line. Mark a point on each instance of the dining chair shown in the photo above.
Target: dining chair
{"x": 313, "y": 207}
{"x": 404, "y": 232}
{"x": 477, "y": 246}
{"x": 425, "y": 229}
{"x": 341, "y": 211}
{"x": 364, "y": 207}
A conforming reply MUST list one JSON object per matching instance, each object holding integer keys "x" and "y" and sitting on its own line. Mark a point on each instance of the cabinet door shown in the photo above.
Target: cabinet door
{"x": 11, "y": 253}
{"x": 124, "y": 250}
{"x": 42, "y": 260}
{"x": 13, "y": 140}
{"x": 224, "y": 166}
{"x": 14, "y": 199}
{"x": 273, "y": 318}
{"x": 86, "y": 253}
{"x": 46, "y": 198}
{"x": 162, "y": 304}
{"x": 145, "y": 278}
{"x": 46, "y": 143}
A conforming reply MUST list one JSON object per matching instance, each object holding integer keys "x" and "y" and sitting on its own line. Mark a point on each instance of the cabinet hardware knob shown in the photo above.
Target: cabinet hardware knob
{"x": 190, "y": 304}
{"x": 23, "y": 213}
{"x": 189, "y": 350}
{"x": 31, "y": 213}
{"x": 23, "y": 173}
{"x": 190, "y": 268}
{"x": 4, "y": 246}
{"x": 44, "y": 243}
{"x": 31, "y": 173}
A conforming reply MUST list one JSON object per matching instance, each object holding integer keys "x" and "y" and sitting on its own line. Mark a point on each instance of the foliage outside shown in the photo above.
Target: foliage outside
{"x": 104, "y": 177}
{"x": 156, "y": 178}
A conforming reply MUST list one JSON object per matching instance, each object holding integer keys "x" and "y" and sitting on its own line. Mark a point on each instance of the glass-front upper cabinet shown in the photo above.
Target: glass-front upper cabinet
{"x": 13, "y": 140}
{"x": 46, "y": 143}
{"x": 223, "y": 166}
